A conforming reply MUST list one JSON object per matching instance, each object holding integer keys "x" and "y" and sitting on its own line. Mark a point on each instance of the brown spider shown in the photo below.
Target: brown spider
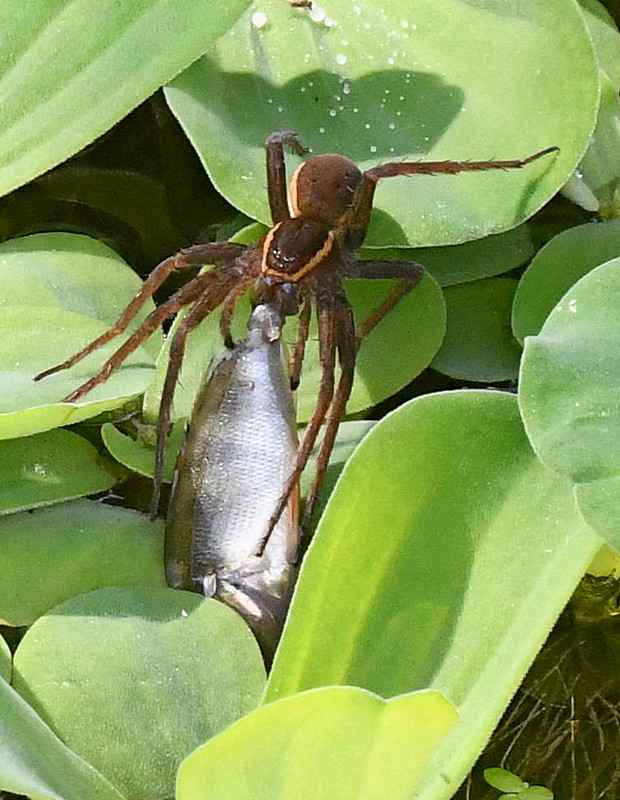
{"x": 318, "y": 226}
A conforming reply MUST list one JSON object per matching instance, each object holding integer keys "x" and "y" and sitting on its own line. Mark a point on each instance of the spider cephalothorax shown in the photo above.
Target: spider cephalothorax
{"x": 319, "y": 223}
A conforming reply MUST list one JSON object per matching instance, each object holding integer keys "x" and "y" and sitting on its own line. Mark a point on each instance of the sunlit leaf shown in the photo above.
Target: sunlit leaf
{"x": 445, "y": 541}
{"x": 70, "y": 69}
{"x": 35, "y": 762}
{"x": 27, "y": 407}
{"x": 50, "y": 555}
{"x": 379, "y": 83}
{"x": 6, "y": 660}
{"x": 569, "y": 395}
{"x": 336, "y": 742}
{"x": 469, "y": 261}
{"x": 556, "y": 267}
{"x": 48, "y": 468}
{"x": 161, "y": 671}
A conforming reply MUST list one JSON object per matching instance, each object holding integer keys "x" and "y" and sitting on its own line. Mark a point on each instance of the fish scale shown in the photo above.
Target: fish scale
{"x": 239, "y": 451}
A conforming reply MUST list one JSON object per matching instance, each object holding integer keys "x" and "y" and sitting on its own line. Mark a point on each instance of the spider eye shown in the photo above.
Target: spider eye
{"x": 294, "y": 247}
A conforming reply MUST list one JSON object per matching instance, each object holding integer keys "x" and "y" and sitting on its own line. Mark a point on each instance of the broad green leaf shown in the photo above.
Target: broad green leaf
{"x": 139, "y": 454}
{"x": 50, "y": 555}
{"x": 350, "y": 434}
{"x": 337, "y": 742}
{"x": 569, "y": 395}
{"x": 479, "y": 345}
{"x": 35, "y": 762}
{"x": 6, "y": 660}
{"x": 48, "y": 468}
{"x": 58, "y": 291}
{"x": 161, "y": 671}
{"x": 443, "y": 558}
{"x": 469, "y": 261}
{"x": 556, "y": 267}
{"x": 70, "y": 272}
{"x": 384, "y": 83}
{"x": 605, "y": 38}
{"x": 594, "y": 184}
{"x": 38, "y": 337}
{"x": 70, "y": 69}
{"x": 410, "y": 334}
{"x": 535, "y": 793}
{"x": 503, "y": 780}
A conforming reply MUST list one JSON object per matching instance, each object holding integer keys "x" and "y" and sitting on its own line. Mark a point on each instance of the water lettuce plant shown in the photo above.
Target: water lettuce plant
{"x": 463, "y": 519}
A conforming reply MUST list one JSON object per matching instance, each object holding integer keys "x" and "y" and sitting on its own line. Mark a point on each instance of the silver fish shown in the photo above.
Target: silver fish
{"x": 239, "y": 451}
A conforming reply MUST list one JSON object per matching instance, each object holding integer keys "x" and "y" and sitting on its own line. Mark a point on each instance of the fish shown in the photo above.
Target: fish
{"x": 239, "y": 452}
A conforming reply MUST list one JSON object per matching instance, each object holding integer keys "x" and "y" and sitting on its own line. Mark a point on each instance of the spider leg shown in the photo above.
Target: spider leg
{"x": 364, "y": 195}
{"x": 411, "y": 274}
{"x": 300, "y": 345}
{"x": 276, "y": 171}
{"x": 327, "y": 357}
{"x": 209, "y": 253}
{"x": 187, "y": 294}
{"x": 206, "y": 303}
{"x": 347, "y": 352}
{"x": 229, "y": 309}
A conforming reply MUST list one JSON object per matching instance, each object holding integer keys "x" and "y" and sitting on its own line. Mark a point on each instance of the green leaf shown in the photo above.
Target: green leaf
{"x": 69, "y": 271}
{"x": 605, "y": 38}
{"x": 503, "y": 780}
{"x": 332, "y": 742}
{"x": 350, "y": 434}
{"x": 55, "y": 553}
{"x": 469, "y": 261}
{"x": 70, "y": 69}
{"x": 410, "y": 333}
{"x": 569, "y": 395}
{"x": 6, "y": 660}
{"x": 479, "y": 345}
{"x": 556, "y": 267}
{"x": 58, "y": 292}
{"x": 393, "y": 83}
{"x": 35, "y": 762}
{"x": 594, "y": 185}
{"x": 138, "y": 454}
{"x": 36, "y": 338}
{"x": 443, "y": 558}
{"x": 48, "y": 468}
{"x": 535, "y": 793}
{"x": 159, "y": 670}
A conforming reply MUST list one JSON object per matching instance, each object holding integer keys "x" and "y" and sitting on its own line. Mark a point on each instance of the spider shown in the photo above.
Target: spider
{"x": 318, "y": 226}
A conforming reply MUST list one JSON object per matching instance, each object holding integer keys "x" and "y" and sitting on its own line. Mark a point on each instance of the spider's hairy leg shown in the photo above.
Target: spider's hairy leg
{"x": 300, "y": 345}
{"x": 211, "y": 297}
{"x": 364, "y": 195}
{"x": 184, "y": 296}
{"x": 410, "y": 274}
{"x": 327, "y": 358}
{"x": 209, "y": 253}
{"x": 347, "y": 352}
{"x": 228, "y": 310}
{"x": 276, "y": 171}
